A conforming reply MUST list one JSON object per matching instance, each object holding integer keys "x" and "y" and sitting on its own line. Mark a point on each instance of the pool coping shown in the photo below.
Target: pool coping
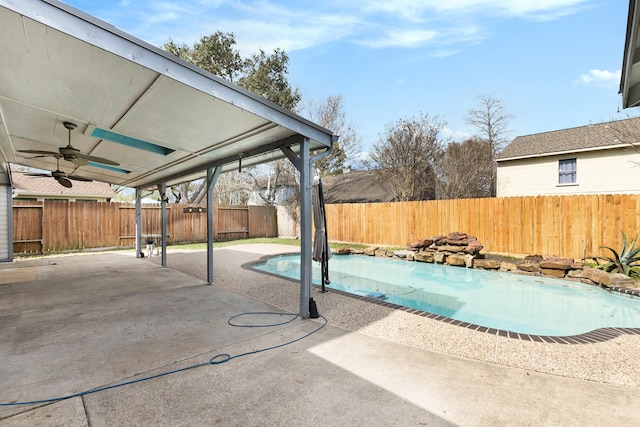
{"x": 595, "y": 336}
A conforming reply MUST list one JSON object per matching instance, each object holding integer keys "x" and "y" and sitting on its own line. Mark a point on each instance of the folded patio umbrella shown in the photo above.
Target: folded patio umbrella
{"x": 321, "y": 252}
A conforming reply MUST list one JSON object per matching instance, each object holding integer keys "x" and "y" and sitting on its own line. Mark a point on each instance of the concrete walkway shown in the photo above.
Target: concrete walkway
{"x": 73, "y": 324}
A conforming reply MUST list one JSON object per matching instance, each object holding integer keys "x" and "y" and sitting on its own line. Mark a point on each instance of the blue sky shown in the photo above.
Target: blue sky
{"x": 554, "y": 63}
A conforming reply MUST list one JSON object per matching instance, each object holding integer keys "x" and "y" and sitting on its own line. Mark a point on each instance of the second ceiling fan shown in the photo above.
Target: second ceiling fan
{"x": 62, "y": 177}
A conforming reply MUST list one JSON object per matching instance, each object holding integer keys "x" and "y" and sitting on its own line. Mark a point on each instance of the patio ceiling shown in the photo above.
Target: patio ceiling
{"x": 160, "y": 118}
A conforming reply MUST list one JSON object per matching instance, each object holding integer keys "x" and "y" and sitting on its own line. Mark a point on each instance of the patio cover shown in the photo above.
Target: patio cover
{"x": 162, "y": 119}
{"x": 630, "y": 81}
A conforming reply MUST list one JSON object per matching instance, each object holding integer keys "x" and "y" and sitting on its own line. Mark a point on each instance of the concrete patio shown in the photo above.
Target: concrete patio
{"x": 75, "y": 323}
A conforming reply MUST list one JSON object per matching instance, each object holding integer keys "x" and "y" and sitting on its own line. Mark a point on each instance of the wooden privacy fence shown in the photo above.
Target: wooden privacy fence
{"x": 567, "y": 226}
{"x": 53, "y": 226}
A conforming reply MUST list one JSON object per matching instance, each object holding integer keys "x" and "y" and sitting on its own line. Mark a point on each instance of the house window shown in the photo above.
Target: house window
{"x": 567, "y": 171}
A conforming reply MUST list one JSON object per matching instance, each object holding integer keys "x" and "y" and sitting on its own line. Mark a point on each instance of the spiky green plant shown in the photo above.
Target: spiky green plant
{"x": 627, "y": 261}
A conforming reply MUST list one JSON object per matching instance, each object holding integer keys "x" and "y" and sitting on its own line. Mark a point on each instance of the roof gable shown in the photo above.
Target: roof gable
{"x": 591, "y": 137}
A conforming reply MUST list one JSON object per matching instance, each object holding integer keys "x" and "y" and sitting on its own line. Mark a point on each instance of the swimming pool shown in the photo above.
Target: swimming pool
{"x": 523, "y": 304}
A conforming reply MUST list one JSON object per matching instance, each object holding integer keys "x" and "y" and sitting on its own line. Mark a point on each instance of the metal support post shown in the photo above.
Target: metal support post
{"x": 138, "y": 222}
{"x": 163, "y": 234}
{"x": 212, "y": 178}
{"x": 305, "y": 228}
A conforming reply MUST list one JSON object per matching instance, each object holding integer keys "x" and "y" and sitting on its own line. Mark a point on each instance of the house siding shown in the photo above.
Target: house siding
{"x": 6, "y": 237}
{"x": 598, "y": 172}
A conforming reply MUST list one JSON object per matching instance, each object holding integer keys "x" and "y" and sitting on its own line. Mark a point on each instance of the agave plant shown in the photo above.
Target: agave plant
{"x": 627, "y": 261}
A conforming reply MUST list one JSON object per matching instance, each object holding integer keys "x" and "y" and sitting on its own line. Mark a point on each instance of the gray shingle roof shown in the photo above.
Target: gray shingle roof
{"x": 597, "y": 136}
{"x": 358, "y": 187}
{"x": 26, "y": 186}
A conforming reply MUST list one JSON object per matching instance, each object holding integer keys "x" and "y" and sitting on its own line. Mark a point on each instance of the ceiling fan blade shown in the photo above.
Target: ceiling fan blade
{"x": 40, "y": 156}
{"x": 80, "y": 161}
{"x": 79, "y": 178}
{"x": 96, "y": 159}
{"x": 39, "y": 175}
{"x": 64, "y": 182}
{"x": 40, "y": 152}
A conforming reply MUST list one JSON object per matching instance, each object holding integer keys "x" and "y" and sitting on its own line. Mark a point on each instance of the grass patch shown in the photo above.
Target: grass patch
{"x": 265, "y": 240}
{"x": 277, "y": 241}
{"x": 222, "y": 244}
{"x": 200, "y": 246}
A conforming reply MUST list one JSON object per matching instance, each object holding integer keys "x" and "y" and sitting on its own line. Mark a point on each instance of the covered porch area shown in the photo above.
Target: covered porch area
{"x": 87, "y": 101}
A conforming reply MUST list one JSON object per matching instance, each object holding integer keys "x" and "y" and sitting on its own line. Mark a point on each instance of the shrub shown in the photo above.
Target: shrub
{"x": 627, "y": 261}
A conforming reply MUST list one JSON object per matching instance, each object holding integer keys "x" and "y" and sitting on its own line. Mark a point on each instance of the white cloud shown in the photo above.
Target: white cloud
{"x": 454, "y": 135}
{"x": 289, "y": 34}
{"x": 444, "y": 25}
{"x": 256, "y": 24}
{"x": 600, "y": 78}
{"x": 414, "y": 10}
{"x": 406, "y": 39}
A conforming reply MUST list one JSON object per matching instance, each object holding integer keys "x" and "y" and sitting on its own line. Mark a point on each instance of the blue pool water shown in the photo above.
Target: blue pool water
{"x": 524, "y": 304}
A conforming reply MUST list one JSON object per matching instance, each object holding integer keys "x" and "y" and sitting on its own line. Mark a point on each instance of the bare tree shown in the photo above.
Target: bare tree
{"x": 464, "y": 170}
{"x": 408, "y": 150}
{"x": 491, "y": 121}
{"x": 331, "y": 115}
{"x": 233, "y": 189}
{"x": 277, "y": 182}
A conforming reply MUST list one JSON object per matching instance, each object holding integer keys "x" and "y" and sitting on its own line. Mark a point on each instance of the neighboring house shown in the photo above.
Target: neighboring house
{"x": 358, "y": 187}
{"x": 595, "y": 159}
{"x": 27, "y": 187}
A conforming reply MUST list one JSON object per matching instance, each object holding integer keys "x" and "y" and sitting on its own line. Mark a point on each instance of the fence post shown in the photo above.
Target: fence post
{"x": 138, "y": 222}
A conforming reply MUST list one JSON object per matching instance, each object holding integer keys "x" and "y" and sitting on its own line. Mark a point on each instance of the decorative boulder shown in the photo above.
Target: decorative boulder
{"x": 439, "y": 257}
{"x": 401, "y": 254}
{"x": 536, "y": 259}
{"x": 421, "y": 244}
{"x": 597, "y": 276}
{"x": 622, "y": 281}
{"x": 556, "y": 264}
{"x": 468, "y": 261}
{"x": 371, "y": 250}
{"x": 508, "y": 266}
{"x": 473, "y": 248}
{"x": 529, "y": 267}
{"x": 341, "y": 251}
{"x": 449, "y": 248}
{"x": 457, "y": 239}
{"x": 380, "y": 252}
{"x": 423, "y": 256}
{"x": 553, "y": 272}
{"x": 487, "y": 264}
{"x": 457, "y": 260}
{"x": 575, "y": 274}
